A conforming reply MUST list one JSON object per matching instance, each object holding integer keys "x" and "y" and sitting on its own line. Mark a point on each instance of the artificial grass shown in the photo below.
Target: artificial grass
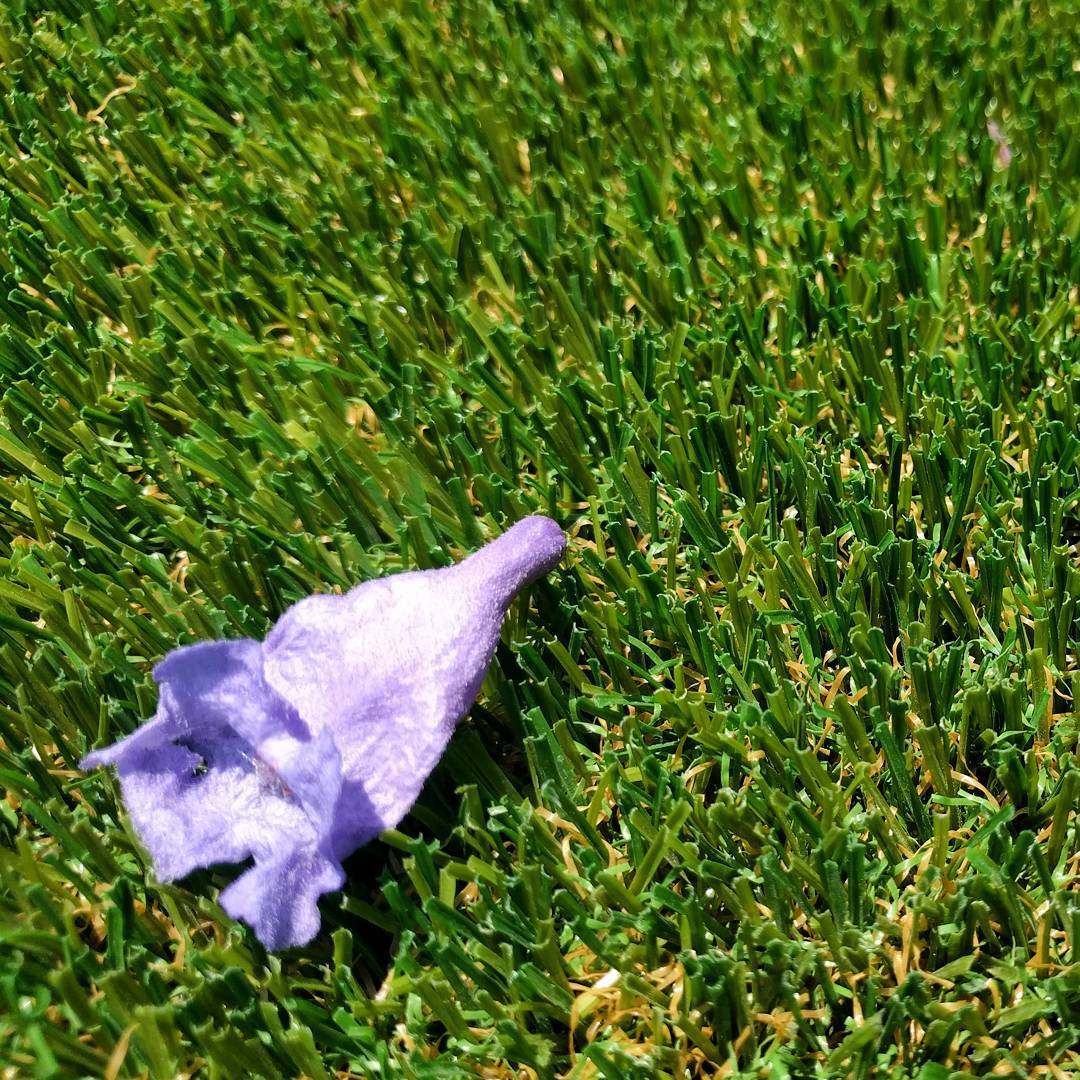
{"x": 777, "y": 775}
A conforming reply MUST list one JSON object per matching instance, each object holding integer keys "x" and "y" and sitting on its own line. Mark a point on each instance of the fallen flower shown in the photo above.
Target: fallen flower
{"x": 297, "y": 750}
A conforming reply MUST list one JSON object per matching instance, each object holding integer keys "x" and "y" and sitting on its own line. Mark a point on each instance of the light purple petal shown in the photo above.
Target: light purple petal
{"x": 226, "y": 770}
{"x": 310, "y": 770}
{"x": 227, "y": 814}
{"x": 278, "y": 898}
{"x": 148, "y": 737}
{"x": 217, "y": 691}
{"x": 218, "y": 686}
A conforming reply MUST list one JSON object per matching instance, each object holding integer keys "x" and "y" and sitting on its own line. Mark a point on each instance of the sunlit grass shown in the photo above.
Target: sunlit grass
{"x": 775, "y": 311}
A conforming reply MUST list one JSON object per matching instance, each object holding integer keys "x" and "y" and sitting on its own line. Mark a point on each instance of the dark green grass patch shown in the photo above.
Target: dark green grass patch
{"x": 775, "y": 311}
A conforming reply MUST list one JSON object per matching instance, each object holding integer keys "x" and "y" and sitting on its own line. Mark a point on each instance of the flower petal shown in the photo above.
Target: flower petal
{"x": 187, "y": 820}
{"x": 279, "y": 898}
{"x": 311, "y": 772}
{"x": 147, "y": 736}
{"x": 219, "y": 684}
{"x": 226, "y": 770}
{"x": 388, "y": 668}
{"x": 313, "y": 655}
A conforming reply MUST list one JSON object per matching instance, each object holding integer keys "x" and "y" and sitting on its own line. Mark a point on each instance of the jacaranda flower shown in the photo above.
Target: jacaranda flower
{"x": 296, "y": 750}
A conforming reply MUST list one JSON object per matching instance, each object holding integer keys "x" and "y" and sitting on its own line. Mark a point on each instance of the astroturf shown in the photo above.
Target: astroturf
{"x": 773, "y": 307}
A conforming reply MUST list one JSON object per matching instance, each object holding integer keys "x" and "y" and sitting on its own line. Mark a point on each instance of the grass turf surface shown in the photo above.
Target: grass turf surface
{"x": 776, "y": 776}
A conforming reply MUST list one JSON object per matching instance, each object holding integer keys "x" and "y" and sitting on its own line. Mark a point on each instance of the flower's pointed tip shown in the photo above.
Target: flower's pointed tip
{"x": 544, "y": 537}
{"x": 106, "y": 755}
{"x": 524, "y": 553}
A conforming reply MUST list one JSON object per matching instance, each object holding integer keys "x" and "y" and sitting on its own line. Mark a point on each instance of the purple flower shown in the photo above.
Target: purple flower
{"x": 296, "y": 750}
